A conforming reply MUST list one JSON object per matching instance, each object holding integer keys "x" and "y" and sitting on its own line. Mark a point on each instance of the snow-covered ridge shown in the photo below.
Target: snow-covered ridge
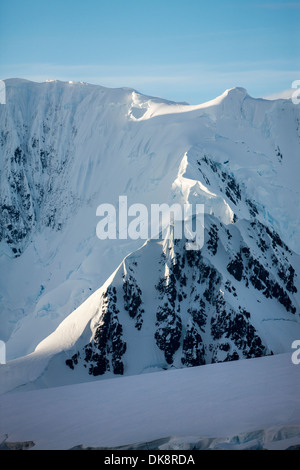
{"x": 67, "y": 147}
{"x": 153, "y": 107}
{"x": 167, "y": 307}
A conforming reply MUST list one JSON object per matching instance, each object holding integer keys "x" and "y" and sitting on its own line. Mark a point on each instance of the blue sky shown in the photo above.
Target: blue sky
{"x": 188, "y": 50}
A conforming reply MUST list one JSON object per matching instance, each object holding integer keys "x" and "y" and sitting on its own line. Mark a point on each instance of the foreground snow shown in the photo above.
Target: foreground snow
{"x": 253, "y": 403}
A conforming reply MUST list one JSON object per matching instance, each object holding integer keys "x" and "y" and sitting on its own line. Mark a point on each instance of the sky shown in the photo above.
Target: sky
{"x": 190, "y": 50}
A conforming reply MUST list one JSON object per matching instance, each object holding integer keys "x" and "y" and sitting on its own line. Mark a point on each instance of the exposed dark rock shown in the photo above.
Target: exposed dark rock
{"x": 193, "y": 350}
{"x": 195, "y": 321}
{"x": 212, "y": 242}
{"x": 133, "y": 300}
{"x": 107, "y": 345}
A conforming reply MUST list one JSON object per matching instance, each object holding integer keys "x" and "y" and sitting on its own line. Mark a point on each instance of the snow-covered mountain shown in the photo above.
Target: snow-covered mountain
{"x": 68, "y": 147}
{"x": 65, "y": 149}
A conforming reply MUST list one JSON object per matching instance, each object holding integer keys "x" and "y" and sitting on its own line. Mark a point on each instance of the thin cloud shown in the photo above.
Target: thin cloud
{"x": 282, "y": 5}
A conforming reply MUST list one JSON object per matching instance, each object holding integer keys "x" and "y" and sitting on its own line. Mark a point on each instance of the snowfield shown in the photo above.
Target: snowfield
{"x": 246, "y": 404}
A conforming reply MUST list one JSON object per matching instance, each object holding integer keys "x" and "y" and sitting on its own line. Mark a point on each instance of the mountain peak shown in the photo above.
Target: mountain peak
{"x": 237, "y": 89}
{"x": 236, "y": 92}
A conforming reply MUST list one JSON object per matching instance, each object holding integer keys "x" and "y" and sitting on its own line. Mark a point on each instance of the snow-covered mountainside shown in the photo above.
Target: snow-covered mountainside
{"x": 167, "y": 307}
{"x": 65, "y": 149}
{"x": 68, "y": 147}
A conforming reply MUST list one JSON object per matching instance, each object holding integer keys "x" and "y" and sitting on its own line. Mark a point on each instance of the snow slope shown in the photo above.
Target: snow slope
{"x": 248, "y": 404}
{"x": 165, "y": 306}
{"x": 68, "y": 147}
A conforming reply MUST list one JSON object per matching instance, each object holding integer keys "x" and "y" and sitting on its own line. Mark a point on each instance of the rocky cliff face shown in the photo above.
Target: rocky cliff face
{"x": 35, "y": 154}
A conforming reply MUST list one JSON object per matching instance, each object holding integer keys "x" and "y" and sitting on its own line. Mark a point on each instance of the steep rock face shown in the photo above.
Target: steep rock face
{"x": 41, "y": 131}
{"x": 33, "y": 168}
{"x": 176, "y": 307}
{"x": 108, "y": 347}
